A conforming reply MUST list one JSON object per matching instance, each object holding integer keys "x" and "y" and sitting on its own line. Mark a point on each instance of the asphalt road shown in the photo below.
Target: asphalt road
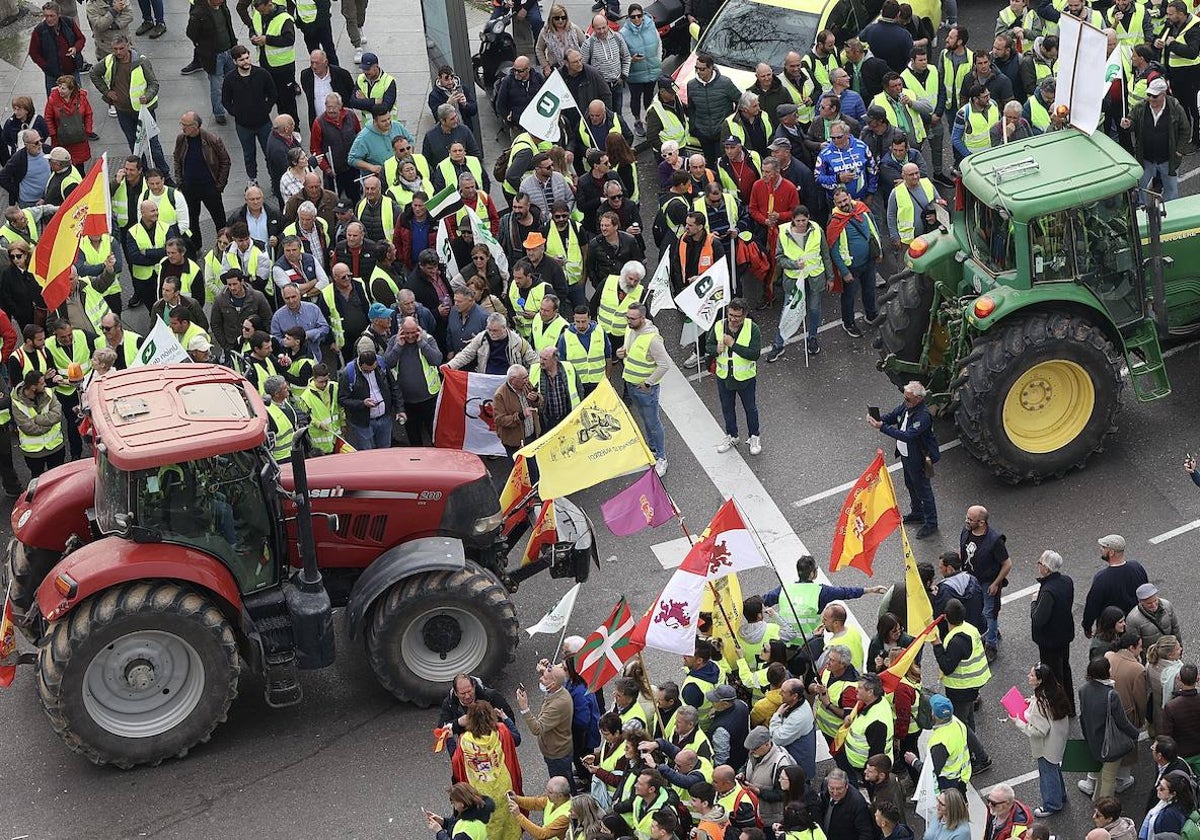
{"x": 351, "y": 762}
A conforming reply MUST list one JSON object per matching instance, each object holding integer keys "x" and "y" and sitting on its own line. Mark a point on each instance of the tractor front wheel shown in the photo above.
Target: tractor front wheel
{"x": 139, "y": 673}
{"x": 430, "y": 627}
{"x": 904, "y": 322}
{"x": 1038, "y": 395}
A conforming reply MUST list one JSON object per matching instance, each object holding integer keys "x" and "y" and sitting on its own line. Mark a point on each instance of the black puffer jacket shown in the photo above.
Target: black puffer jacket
{"x": 452, "y": 709}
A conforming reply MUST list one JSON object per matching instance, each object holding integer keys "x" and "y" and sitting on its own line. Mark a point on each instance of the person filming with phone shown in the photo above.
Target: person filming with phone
{"x": 472, "y": 810}
{"x": 912, "y": 426}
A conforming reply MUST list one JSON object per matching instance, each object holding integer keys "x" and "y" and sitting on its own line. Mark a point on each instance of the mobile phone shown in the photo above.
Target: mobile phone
{"x": 521, "y": 686}
{"x": 873, "y": 412}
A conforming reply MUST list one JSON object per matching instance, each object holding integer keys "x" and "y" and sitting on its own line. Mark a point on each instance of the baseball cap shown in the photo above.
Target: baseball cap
{"x": 1156, "y": 87}
{"x": 200, "y": 343}
{"x": 758, "y": 736}
{"x": 720, "y": 694}
{"x": 940, "y": 707}
{"x": 378, "y": 310}
{"x": 1146, "y": 590}
{"x": 666, "y": 83}
{"x": 876, "y": 112}
{"x": 781, "y": 143}
{"x": 534, "y": 240}
{"x": 1114, "y": 541}
{"x": 58, "y": 153}
{"x": 732, "y": 141}
{"x": 344, "y": 207}
{"x": 368, "y": 59}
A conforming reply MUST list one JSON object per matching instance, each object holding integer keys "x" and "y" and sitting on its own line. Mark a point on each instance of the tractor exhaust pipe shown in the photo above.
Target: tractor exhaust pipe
{"x": 307, "y": 600}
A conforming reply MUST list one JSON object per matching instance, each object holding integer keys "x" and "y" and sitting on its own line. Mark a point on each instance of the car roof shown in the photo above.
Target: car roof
{"x": 149, "y": 416}
{"x": 1051, "y": 172}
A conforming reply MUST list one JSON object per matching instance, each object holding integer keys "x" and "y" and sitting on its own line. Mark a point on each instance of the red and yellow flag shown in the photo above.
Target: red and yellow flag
{"x": 84, "y": 212}
{"x": 892, "y": 675}
{"x": 840, "y": 737}
{"x": 517, "y": 488}
{"x": 8, "y": 644}
{"x": 868, "y": 516}
{"x": 545, "y": 532}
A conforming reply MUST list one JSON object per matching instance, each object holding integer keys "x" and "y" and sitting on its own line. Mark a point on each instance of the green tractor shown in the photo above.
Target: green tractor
{"x": 1048, "y": 283}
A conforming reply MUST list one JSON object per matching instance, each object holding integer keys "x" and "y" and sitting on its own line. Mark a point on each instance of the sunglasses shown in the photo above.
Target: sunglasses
{"x": 616, "y": 197}
{"x": 113, "y": 327}
{"x": 635, "y": 17}
{"x": 558, "y": 17}
{"x": 520, "y": 69}
{"x": 561, "y": 217}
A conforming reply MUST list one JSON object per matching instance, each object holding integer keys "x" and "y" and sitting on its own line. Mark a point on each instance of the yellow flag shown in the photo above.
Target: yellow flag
{"x": 920, "y": 611}
{"x": 839, "y": 737}
{"x": 597, "y": 441}
{"x": 729, "y": 593}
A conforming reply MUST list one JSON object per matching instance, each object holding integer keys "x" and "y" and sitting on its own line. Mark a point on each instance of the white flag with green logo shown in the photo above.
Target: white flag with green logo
{"x": 160, "y": 347}
{"x": 540, "y": 117}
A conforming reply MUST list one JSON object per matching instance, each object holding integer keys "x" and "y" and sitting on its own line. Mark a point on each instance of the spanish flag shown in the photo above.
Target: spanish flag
{"x": 868, "y": 516}
{"x": 84, "y": 212}
{"x": 545, "y": 532}
{"x": 597, "y": 441}
{"x": 895, "y": 672}
{"x": 8, "y": 643}
{"x": 517, "y": 488}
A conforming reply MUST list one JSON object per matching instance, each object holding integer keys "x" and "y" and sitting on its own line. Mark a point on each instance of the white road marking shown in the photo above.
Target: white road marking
{"x": 1013, "y": 782}
{"x": 670, "y": 554}
{"x": 1019, "y": 594}
{"x": 842, "y": 488}
{"x": 797, "y": 338}
{"x": 1175, "y": 532}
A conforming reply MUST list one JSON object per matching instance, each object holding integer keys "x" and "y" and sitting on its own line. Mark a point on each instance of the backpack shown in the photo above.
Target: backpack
{"x": 924, "y": 713}
{"x": 500, "y": 167}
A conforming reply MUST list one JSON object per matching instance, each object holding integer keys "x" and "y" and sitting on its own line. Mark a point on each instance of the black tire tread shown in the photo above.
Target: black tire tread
{"x": 904, "y": 311}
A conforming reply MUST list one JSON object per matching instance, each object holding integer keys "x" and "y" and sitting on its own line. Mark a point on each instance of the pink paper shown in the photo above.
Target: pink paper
{"x": 1015, "y": 703}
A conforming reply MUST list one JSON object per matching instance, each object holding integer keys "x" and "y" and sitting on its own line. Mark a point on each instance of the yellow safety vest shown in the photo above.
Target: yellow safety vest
{"x": 885, "y": 102}
{"x": 750, "y": 650}
{"x": 1039, "y": 117}
{"x": 1173, "y": 60}
{"x": 906, "y": 209}
{"x": 387, "y": 214}
{"x": 324, "y": 409}
{"x": 81, "y": 354}
{"x": 259, "y": 371}
{"x": 248, "y": 263}
{"x": 640, "y": 817}
{"x": 568, "y": 370}
{"x": 729, "y": 205}
{"x": 585, "y": 134}
{"x": 639, "y": 366}
{"x": 166, "y": 206}
{"x": 96, "y": 255}
{"x": 913, "y": 726}
{"x": 329, "y": 293}
{"x": 742, "y": 368}
{"x": 588, "y": 361}
{"x": 611, "y": 316}
{"x": 275, "y": 56}
{"x": 972, "y": 672}
{"x": 524, "y": 140}
{"x": 1028, "y": 21}
{"x": 733, "y": 798}
{"x": 705, "y": 708}
{"x": 70, "y": 180}
{"x": 673, "y": 128}
{"x": 852, "y": 638}
{"x": 137, "y": 84}
{"x": 804, "y": 112}
{"x": 952, "y": 79}
{"x": 1133, "y": 32}
{"x": 306, "y": 11}
{"x": 928, "y": 90}
{"x": 30, "y": 237}
{"x": 376, "y": 89}
{"x": 809, "y": 256}
{"x": 285, "y": 432}
{"x": 977, "y": 127}
{"x": 800, "y": 606}
{"x": 953, "y": 736}
{"x": 191, "y": 332}
{"x": 34, "y": 446}
{"x": 820, "y": 68}
{"x": 190, "y": 272}
{"x": 213, "y": 284}
{"x": 532, "y": 302}
{"x": 546, "y": 335}
{"x": 95, "y": 307}
{"x": 391, "y": 176}
{"x": 571, "y": 252}
{"x": 128, "y": 349}
{"x": 857, "y": 751}
{"x": 635, "y": 711}
{"x": 725, "y": 174}
{"x": 610, "y": 755}
{"x": 144, "y": 241}
{"x": 827, "y": 721}
{"x": 450, "y": 174}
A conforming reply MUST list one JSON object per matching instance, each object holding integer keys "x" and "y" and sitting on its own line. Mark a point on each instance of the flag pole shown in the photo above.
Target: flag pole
{"x": 646, "y": 686}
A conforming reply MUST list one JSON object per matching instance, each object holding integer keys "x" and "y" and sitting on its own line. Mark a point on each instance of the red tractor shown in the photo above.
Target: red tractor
{"x": 152, "y": 577}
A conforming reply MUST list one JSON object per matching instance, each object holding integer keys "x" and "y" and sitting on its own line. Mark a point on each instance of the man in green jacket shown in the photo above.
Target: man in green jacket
{"x": 735, "y": 344}
{"x": 711, "y": 98}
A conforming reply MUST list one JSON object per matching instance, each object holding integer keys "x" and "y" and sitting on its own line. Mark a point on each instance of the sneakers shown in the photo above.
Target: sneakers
{"x": 852, "y": 330}
{"x": 728, "y": 443}
{"x": 990, "y": 652}
{"x": 358, "y": 51}
{"x": 814, "y": 349}
{"x": 1042, "y": 813}
{"x": 776, "y": 354}
{"x": 144, "y": 28}
{"x": 1124, "y": 784}
{"x": 755, "y": 445}
{"x": 193, "y": 66}
{"x": 639, "y": 128}
{"x": 159, "y": 30}
{"x": 926, "y": 531}
{"x": 691, "y": 360}
{"x": 221, "y": 119}
{"x": 112, "y": 110}
{"x": 1087, "y": 786}
{"x": 660, "y": 467}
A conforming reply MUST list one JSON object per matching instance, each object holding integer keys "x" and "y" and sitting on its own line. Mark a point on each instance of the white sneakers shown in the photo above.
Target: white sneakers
{"x": 112, "y": 110}
{"x": 727, "y": 444}
{"x": 692, "y": 360}
{"x": 660, "y": 467}
{"x": 358, "y": 51}
{"x": 755, "y": 445}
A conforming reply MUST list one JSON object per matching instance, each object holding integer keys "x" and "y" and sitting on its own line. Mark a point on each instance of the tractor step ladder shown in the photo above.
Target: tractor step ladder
{"x": 282, "y": 686}
{"x": 1143, "y": 355}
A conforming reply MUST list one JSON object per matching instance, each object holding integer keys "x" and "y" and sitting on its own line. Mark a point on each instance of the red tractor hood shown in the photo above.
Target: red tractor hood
{"x": 396, "y": 473}
{"x": 63, "y": 496}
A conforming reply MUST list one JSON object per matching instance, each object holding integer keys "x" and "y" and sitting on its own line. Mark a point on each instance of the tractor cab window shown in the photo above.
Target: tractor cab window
{"x": 1050, "y": 246}
{"x": 215, "y": 505}
{"x": 993, "y": 237}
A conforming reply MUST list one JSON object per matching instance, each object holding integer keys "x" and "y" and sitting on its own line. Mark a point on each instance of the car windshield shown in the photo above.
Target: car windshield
{"x": 745, "y": 33}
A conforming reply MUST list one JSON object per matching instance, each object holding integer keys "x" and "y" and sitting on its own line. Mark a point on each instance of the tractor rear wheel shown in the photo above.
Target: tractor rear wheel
{"x": 429, "y": 627}
{"x": 139, "y": 673}
{"x": 1038, "y": 395}
{"x": 904, "y": 321}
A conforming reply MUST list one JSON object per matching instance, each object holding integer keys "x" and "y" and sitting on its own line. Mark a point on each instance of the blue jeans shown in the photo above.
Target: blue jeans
{"x": 920, "y": 491}
{"x": 645, "y": 403}
{"x": 862, "y": 277}
{"x": 1170, "y": 183}
{"x": 378, "y": 435}
{"x": 729, "y": 407}
{"x": 129, "y": 127}
{"x": 991, "y": 615}
{"x": 1051, "y": 785}
{"x": 152, "y": 11}
{"x": 216, "y": 79}
{"x": 247, "y": 137}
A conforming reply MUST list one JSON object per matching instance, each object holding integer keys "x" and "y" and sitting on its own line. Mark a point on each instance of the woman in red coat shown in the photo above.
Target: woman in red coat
{"x": 69, "y": 116}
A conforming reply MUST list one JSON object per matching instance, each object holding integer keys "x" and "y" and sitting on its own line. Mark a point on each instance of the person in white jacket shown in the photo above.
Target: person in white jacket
{"x": 794, "y": 728}
{"x": 1046, "y": 723}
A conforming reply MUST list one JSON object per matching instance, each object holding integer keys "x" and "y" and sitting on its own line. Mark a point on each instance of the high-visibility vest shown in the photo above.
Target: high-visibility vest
{"x": 705, "y": 708}
{"x": 28, "y": 237}
{"x": 673, "y": 226}
{"x": 124, "y": 206}
{"x": 906, "y": 208}
{"x": 128, "y": 349}
{"x": 742, "y": 368}
{"x": 522, "y": 141}
{"x": 857, "y": 750}
{"x": 953, "y": 78}
{"x": 1028, "y": 21}
{"x": 635, "y": 710}
{"x": 323, "y": 409}
{"x": 531, "y": 302}
{"x": 32, "y": 361}
{"x": 387, "y": 213}
{"x": 373, "y": 90}
{"x": 611, "y": 316}
{"x": 808, "y": 256}
{"x": 166, "y": 205}
{"x": 585, "y": 134}
{"x": 728, "y": 206}
{"x": 750, "y": 650}
{"x": 34, "y": 446}
{"x": 725, "y": 173}
{"x": 191, "y": 332}
{"x": 733, "y": 798}
{"x": 803, "y": 112}
{"x": 977, "y": 127}
{"x": 610, "y": 755}
{"x": 928, "y": 89}
{"x": 450, "y": 174}
{"x": 953, "y": 736}
{"x": 571, "y": 251}
{"x": 96, "y": 255}
{"x": 820, "y": 68}
{"x": 285, "y": 432}
{"x": 828, "y": 721}
{"x": 705, "y": 767}
{"x": 379, "y": 273}
{"x": 80, "y": 353}
{"x": 70, "y": 179}
{"x": 391, "y": 177}
{"x": 137, "y": 83}
{"x": 546, "y": 335}
{"x": 914, "y": 118}
{"x": 433, "y": 382}
{"x": 587, "y": 361}
{"x": 95, "y": 307}
{"x": 1039, "y": 116}
{"x": 640, "y": 817}
{"x": 972, "y": 672}
{"x": 213, "y": 284}
{"x": 475, "y": 829}
{"x": 275, "y": 56}
{"x": 639, "y": 366}
{"x": 259, "y": 371}
{"x": 852, "y": 638}
{"x": 913, "y": 726}
{"x": 145, "y": 242}
{"x": 704, "y": 263}
{"x": 1173, "y": 60}
{"x": 248, "y": 263}
{"x": 329, "y": 293}
{"x": 1132, "y": 31}
{"x": 800, "y": 606}
{"x": 673, "y": 128}
{"x": 190, "y": 272}
{"x": 306, "y": 11}
{"x": 568, "y": 370}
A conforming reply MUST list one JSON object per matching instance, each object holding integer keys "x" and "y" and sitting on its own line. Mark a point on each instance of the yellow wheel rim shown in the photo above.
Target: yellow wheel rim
{"x": 1049, "y": 406}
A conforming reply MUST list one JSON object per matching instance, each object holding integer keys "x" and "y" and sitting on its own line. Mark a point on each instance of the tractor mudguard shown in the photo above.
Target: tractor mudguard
{"x": 1056, "y": 297}
{"x": 113, "y": 561}
{"x": 428, "y": 554}
{"x": 46, "y": 515}
{"x": 939, "y": 247}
